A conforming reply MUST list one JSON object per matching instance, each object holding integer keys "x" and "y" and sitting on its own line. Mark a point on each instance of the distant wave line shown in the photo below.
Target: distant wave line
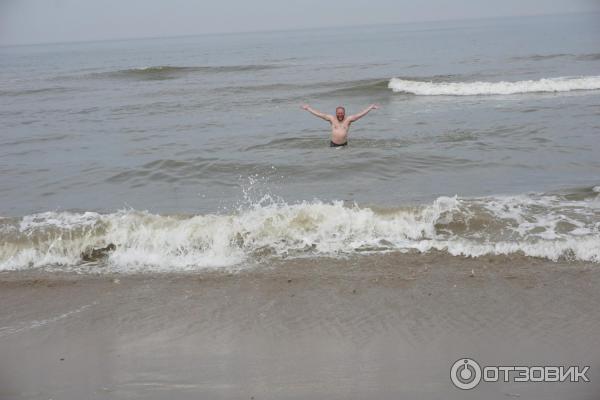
{"x": 169, "y": 71}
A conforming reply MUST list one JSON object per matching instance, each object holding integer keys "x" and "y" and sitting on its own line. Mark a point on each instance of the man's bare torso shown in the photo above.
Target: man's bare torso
{"x": 339, "y": 130}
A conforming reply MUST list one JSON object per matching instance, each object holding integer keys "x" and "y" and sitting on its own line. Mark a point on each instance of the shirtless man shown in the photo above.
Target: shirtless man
{"x": 339, "y": 123}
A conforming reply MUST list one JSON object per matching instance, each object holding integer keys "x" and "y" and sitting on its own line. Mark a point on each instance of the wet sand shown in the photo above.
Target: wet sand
{"x": 379, "y": 326}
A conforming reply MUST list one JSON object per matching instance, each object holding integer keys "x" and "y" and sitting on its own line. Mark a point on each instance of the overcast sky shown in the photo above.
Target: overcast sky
{"x": 40, "y": 21}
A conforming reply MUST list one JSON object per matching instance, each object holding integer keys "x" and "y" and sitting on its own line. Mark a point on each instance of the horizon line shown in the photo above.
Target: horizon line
{"x": 259, "y": 31}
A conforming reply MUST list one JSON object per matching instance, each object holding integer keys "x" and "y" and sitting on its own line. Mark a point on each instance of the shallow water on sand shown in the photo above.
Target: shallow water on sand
{"x": 384, "y": 326}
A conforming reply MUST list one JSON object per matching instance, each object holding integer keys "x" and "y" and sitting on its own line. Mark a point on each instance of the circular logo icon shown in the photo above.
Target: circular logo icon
{"x": 465, "y": 374}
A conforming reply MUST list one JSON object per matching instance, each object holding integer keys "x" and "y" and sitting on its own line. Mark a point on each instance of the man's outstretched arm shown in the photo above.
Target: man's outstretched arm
{"x": 316, "y": 113}
{"x": 361, "y": 114}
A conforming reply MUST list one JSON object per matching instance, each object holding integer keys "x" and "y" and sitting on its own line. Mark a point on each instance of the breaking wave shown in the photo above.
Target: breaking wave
{"x": 555, "y": 227}
{"x": 547, "y": 85}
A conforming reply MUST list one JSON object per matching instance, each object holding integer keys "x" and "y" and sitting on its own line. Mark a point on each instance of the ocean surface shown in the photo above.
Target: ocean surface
{"x": 181, "y": 154}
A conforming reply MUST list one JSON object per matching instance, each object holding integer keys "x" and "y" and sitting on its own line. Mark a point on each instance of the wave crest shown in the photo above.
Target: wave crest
{"x": 162, "y": 72}
{"x": 547, "y": 85}
{"x": 549, "y": 226}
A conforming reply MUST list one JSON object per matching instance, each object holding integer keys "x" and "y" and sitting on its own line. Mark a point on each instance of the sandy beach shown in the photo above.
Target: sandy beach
{"x": 382, "y": 326}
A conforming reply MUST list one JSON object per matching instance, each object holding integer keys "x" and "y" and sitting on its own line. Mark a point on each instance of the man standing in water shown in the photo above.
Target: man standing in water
{"x": 339, "y": 123}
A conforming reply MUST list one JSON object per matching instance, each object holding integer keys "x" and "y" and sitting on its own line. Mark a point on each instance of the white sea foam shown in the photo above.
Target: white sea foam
{"x": 66, "y": 220}
{"x": 551, "y": 227}
{"x": 428, "y": 88}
